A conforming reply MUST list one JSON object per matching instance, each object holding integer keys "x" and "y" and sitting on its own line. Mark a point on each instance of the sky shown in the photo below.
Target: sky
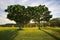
{"x": 53, "y": 5}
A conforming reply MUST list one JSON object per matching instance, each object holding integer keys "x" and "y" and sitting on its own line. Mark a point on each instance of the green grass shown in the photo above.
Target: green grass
{"x": 11, "y": 33}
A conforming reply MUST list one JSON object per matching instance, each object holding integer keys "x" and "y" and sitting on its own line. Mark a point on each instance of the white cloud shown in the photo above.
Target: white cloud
{"x": 34, "y": 4}
{"x": 25, "y": 0}
{"x": 4, "y": 21}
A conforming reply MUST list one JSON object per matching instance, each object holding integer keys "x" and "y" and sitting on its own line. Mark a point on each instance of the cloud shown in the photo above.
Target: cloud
{"x": 25, "y": 0}
{"x": 34, "y": 4}
{"x": 6, "y": 21}
{"x": 56, "y": 15}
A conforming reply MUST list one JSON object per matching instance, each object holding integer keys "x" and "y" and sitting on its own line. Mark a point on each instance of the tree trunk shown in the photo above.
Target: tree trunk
{"x": 39, "y": 25}
{"x": 39, "y": 28}
{"x": 20, "y": 26}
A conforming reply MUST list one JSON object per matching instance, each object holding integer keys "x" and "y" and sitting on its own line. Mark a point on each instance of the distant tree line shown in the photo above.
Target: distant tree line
{"x": 55, "y": 22}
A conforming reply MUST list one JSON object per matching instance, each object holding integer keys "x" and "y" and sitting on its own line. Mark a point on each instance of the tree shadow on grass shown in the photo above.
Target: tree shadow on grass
{"x": 8, "y": 34}
{"x": 56, "y": 30}
{"x": 52, "y": 35}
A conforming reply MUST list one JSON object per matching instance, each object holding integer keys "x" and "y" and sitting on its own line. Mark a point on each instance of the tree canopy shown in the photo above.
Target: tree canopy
{"x": 39, "y": 13}
{"x": 22, "y": 15}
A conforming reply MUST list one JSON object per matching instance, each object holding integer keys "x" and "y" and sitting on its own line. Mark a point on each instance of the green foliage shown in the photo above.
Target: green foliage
{"x": 39, "y": 13}
{"x": 22, "y": 15}
{"x": 18, "y": 14}
{"x": 55, "y": 22}
{"x": 42, "y": 13}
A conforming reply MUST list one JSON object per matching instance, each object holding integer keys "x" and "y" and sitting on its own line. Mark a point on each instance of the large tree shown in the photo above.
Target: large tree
{"x": 39, "y": 13}
{"x": 18, "y": 14}
{"x": 42, "y": 14}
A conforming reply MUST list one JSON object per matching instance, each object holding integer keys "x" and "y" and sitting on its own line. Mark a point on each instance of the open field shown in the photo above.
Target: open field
{"x": 11, "y": 33}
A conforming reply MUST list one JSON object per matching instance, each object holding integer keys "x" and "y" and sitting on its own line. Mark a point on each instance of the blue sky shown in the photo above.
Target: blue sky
{"x": 53, "y": 5}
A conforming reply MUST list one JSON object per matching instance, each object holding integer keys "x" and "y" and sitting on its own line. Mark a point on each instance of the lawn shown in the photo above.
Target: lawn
{"x": 12, "y": 33}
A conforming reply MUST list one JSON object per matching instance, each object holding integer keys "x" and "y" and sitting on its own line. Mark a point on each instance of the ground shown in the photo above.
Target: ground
{"x": 12, "y": 33}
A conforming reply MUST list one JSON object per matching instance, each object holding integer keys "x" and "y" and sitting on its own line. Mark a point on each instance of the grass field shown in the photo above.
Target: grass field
{"x": 11, "y": 33}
